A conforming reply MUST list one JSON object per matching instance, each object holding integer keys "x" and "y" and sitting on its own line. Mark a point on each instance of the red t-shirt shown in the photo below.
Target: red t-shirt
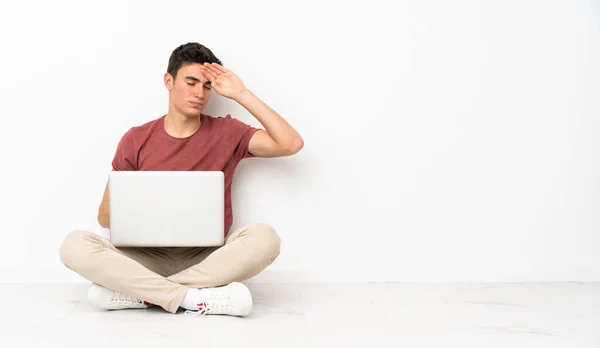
{"x": 218, "y": 145}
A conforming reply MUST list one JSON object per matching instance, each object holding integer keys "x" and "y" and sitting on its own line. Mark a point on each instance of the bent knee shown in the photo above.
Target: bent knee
{"x": 268, "y": 238}
{"x": 72, "y": 250}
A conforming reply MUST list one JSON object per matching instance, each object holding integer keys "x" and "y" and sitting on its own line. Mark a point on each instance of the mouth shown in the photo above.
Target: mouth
{"x": 196, "y": 105}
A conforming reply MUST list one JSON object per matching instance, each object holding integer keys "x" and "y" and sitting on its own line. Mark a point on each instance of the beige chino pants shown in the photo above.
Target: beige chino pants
{"x": 162, "y": 276}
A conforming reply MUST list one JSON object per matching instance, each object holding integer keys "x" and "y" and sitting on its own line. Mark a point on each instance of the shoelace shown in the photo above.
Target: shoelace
{"x": 121, "y": 298}
{"x": 202, "y": 309}
{"x": 214, "y": 302}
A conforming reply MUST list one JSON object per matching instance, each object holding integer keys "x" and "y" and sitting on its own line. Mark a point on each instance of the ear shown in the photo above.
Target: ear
{"x": 169, "y": 80}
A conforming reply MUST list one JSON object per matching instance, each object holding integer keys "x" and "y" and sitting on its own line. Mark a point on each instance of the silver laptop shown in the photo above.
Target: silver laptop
{"x": 166, "y": 208}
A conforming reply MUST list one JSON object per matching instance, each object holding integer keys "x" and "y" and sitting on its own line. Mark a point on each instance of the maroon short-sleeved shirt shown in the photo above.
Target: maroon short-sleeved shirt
{"x": 218, "y": 145}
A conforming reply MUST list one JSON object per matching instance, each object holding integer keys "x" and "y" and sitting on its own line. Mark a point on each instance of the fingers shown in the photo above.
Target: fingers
{"x": 211, "y": 75}
{"x": 215, "y": 71}
{"x": 217, "y": 67}
{"x": 218, "y": 70}
{"x": 212, "y": 69}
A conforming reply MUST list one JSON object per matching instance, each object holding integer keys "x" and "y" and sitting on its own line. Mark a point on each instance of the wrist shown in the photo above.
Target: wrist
{"x": 243, "y": 96}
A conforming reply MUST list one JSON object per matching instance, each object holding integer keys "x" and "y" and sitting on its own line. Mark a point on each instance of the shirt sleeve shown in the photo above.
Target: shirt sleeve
{"x": 124, "y": 159}
{"x": 244, "y": 133}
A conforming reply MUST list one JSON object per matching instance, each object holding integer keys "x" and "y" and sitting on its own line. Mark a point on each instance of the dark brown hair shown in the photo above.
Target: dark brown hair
{"x": 190, "y": 53}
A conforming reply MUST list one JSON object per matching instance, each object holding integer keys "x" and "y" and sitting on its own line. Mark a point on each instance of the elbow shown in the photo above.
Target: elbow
{"x": 295, "y": 146}
{"x": 103, "y": 216}
{"x": 103, "y": 220}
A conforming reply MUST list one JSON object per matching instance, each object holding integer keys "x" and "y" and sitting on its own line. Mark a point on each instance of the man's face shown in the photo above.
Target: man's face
{"x": 190, "y": 92}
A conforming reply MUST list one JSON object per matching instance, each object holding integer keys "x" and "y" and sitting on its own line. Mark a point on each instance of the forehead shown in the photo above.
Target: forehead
{"x": 191, "y": 70}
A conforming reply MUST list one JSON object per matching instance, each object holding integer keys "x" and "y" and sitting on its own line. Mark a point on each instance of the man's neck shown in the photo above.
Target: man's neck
{"x": 181, "y": 126}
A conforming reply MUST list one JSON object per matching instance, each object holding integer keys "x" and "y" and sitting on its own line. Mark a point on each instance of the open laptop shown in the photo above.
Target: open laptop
{"x": 166, "y": 208}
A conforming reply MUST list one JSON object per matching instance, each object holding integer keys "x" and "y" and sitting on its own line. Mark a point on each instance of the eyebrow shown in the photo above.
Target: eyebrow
{"x": 197, "y": 80}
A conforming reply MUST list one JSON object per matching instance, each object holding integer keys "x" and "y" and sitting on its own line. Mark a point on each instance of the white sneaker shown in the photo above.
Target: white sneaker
{"x": 232, "y": 299}
{"x": 101, "y": 297}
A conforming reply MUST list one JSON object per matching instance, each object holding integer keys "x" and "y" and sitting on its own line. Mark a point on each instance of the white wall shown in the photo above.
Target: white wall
{"x": 445, "y": 141}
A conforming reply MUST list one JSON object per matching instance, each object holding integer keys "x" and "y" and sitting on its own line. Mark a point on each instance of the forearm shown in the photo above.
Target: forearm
{"x": 278, "y": 128}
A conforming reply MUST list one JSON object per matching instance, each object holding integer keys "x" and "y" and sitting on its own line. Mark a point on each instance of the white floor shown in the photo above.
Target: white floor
{"x": 319, "y": 315}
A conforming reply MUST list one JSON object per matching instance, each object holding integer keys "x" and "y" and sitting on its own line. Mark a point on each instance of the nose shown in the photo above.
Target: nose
{"x": 199, "y": 92}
